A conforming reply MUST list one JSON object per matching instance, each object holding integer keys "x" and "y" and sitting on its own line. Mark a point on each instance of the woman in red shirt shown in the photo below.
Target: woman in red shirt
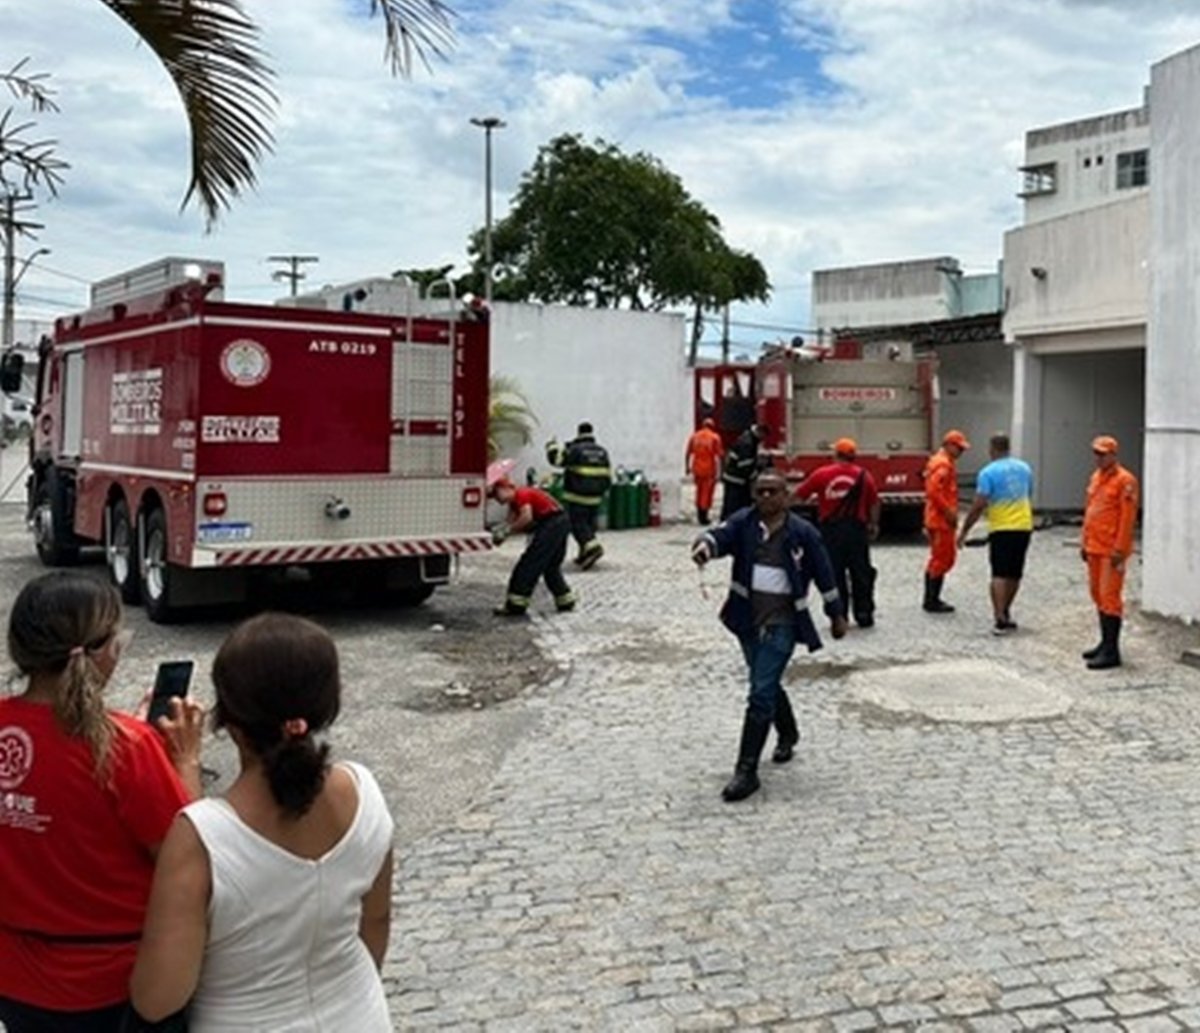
{"x": 86, "y": 797}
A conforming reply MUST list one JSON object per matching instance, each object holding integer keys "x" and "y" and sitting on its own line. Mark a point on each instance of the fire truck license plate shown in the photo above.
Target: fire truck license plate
{"x": 231, "y": 532}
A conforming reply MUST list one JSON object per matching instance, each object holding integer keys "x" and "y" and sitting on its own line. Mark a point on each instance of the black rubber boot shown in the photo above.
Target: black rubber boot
{"x": 702, "y": 517}
{"x": 787, "y": 734}
{"x": 1095, "y": 651}
{"x": 933, "y": 596}
{"x": 745, "y": 775}
{"x": 1110, "y": 653}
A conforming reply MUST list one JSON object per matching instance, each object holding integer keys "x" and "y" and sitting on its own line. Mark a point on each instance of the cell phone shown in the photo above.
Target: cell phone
{"x": 172, "y": 680}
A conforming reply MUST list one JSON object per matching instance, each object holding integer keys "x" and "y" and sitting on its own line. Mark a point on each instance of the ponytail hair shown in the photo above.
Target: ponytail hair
{"x": 277, "y": 682}
{"x": 59, "y": 624}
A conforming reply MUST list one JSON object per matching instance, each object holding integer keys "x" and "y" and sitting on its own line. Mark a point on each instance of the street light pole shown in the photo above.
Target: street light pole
{"x": 487, "y": 125}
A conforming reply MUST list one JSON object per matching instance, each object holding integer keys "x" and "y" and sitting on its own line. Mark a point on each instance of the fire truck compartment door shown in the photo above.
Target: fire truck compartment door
{"x": 72, "y": 403}
{"x": 422, "y": 408}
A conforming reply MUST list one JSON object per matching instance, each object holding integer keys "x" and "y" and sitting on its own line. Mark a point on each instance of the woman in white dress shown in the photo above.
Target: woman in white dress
{"x": 271, "y": 905}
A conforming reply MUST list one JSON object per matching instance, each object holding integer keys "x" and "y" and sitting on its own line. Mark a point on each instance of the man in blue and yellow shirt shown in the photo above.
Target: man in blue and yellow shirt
{"x": 1004, "y": 489}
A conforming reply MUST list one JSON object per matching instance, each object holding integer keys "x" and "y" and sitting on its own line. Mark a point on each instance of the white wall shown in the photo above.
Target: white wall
{"x": 1084, "y": 154}
{"x": 624, "y": 372}
{"x": 1093, "y": 271}
{"x": 886, "y": 294}
{"x": 1171, "y": 493}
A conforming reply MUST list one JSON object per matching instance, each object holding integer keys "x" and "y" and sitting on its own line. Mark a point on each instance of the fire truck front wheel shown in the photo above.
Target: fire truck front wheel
{"x": 120, "y": 549}
{"x": 156, "y": 572}
{"x": 51, "y": 520}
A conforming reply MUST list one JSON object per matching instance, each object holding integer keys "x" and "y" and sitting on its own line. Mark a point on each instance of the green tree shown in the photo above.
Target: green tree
{"x": 593, "y": 226}
{"x": 509, "y": 415}
{"x": 210, "y": 49}
{"x": 425, "y": 278}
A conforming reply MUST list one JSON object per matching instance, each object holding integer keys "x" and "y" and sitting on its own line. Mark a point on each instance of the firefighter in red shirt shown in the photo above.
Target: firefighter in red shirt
{"x": 703, "y": 461}
{"x": 941, "y": 517}
{"x": 532, "y": 510}
{"x": 848, "y": 516}
{"x": 1106, "y": 545}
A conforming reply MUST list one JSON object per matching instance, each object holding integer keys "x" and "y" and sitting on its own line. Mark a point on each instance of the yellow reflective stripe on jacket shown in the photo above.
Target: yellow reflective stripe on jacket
{"x": 582, "y": 500}
{"x": 591, "y": 471}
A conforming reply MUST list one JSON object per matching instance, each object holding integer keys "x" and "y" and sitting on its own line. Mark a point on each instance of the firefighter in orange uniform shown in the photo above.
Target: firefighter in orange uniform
{"x": 703, "y": 461}
{"x": 1106, "y": 545}
{"x": 941, "y": 517}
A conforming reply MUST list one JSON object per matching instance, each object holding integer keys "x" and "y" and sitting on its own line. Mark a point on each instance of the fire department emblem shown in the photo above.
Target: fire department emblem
{"x": 16, "y": 756}
{"x": 245, "y": 363}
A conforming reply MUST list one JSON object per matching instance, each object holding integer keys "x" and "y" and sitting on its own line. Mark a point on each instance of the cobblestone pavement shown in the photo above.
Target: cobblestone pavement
{"x": 900, "y": 873}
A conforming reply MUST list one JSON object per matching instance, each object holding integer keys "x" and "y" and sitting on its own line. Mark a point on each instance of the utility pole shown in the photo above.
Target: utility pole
{"x": 487, "y": 125}
{"x": 725, "y": 334}
{"x": 292, "y": 273}
{"x": 10, "y": 225}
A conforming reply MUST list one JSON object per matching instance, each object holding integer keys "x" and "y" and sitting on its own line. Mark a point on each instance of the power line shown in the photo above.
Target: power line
{"x": 58, "y": 272}
{"x": 23, "y": 297}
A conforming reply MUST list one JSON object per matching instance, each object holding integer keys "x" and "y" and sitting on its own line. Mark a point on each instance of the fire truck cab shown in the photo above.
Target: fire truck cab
{"x": 198, "y": 440}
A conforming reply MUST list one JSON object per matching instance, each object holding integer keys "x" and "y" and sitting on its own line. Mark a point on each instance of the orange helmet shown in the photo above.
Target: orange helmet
{"x": 956, "y": 437}
{"x": 845, "y": 447}
{"x": 1105, "y": 444}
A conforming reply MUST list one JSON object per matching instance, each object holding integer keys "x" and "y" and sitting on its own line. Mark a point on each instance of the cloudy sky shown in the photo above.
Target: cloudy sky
{"x": 820, "y": 132}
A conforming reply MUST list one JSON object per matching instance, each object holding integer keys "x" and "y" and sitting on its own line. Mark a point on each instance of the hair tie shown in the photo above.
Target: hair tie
{"x": 295, "y": 728}
{"x": 75, "y": 651}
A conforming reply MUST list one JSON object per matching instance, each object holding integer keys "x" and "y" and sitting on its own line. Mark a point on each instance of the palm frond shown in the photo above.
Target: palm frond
{"x": 210, "y": 49}
{"x": 415, "y": 28}
{"x": 509, "y": 414}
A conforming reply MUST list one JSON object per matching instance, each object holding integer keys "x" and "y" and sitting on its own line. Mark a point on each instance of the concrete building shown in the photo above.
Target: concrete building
{"x": 1171, "y": 487}
{"x": 1076, "y": 292}
{"x": 930, "y": 305}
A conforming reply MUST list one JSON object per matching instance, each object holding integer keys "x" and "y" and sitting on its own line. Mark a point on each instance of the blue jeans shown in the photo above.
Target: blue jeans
{"x": 767, "y": 652}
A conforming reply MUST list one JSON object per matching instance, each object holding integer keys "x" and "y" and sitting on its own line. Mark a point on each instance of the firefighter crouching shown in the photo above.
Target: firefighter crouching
{"x": 1106, "y": 545}
{"x": 531, "y": 509}
{"x": 586, "y": 477}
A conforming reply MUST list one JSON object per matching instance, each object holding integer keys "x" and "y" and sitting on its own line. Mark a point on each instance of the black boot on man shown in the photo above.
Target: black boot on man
{"x": 933, "y": 596}
{"x": 702, "y": 516}
{"x": 1110, "y": 653}
{"x": 787, "y": 734}
{"x": 745, "y": 775}
{"x": 589, "y": 554}
{"x": 1098, "y": 648}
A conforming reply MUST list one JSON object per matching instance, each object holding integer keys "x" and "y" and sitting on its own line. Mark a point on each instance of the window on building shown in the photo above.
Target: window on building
{"x": 1039, "y": 179}
{"x": 1133, "y": 169}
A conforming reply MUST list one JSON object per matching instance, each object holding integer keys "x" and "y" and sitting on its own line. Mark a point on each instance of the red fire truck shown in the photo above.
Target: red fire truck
{"x": 807, "y": 397}
{"x": 199, "y": 440}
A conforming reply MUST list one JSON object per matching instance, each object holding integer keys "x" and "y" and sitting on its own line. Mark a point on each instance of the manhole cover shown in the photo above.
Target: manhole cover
{"x": 972, "y": 691}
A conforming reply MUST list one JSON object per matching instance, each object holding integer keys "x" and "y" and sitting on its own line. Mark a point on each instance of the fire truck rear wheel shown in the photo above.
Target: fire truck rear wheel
{"x": 122, "y": 554}
{"x": 155, "y": 570}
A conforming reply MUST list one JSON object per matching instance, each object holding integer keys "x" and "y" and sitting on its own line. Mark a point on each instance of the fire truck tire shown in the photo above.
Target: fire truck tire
{"x": 156, "y": 572}
{"x": 413, "y": 596}
{"x": 121, "y": 553}
{"x": 53, "y": 536}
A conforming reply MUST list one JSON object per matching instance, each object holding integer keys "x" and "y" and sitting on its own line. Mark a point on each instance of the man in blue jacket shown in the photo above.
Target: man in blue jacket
{"x": 776, "y": 554}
